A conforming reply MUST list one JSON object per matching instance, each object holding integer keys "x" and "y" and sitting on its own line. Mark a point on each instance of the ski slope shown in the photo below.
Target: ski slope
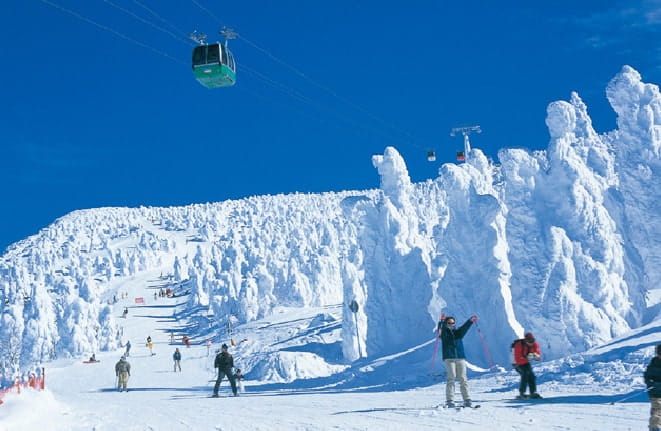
{"x": 390, "y": 393}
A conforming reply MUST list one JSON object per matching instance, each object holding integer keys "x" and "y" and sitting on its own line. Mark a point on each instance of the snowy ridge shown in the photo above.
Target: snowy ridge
{"x": 562, "y": 242}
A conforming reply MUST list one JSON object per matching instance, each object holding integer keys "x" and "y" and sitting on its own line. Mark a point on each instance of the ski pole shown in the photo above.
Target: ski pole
{"x": 631, "y": 395}
{"x": 484, "y": 344}
{"x": 438, "y": 336}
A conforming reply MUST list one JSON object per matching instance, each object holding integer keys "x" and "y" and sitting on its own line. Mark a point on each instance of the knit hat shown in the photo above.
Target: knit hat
{"x": 529, "y": 337}
{"x": 224, "y": 346}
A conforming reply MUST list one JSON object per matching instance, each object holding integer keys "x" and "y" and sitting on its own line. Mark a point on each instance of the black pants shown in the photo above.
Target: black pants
{"x": 230, "y": 377}
{"x": 528, "y": 379}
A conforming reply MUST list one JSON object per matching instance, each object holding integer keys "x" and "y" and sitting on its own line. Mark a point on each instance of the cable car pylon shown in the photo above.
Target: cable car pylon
{"x": 466, "y": 131}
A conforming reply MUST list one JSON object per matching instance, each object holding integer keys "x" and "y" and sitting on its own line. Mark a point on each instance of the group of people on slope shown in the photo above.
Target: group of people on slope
{"x": 525, "y": 350}
{"x": 224, "y": 362}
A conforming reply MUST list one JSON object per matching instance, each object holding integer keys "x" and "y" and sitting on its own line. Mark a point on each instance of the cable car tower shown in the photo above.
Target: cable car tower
{"x": 466, "y": 131}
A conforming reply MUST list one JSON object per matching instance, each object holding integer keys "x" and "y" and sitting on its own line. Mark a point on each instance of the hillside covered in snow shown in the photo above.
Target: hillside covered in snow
{"x": 562, "y": 242}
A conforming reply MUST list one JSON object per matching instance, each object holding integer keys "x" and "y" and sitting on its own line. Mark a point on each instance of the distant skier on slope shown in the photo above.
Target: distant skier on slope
{"x": 122, "y": 371}
{"x": 454, "y": 357}
{"x": 150, "y": 345}
{"x": 525, "y": 350}
{"x": 653, "y": 383}
{"x": 128, "y": 348}
{"x": 224, "y": 362}
{"x": 176, "y": 357}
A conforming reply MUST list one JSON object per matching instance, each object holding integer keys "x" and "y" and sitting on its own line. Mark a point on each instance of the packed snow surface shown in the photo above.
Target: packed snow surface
{"x": 597, "y": 390}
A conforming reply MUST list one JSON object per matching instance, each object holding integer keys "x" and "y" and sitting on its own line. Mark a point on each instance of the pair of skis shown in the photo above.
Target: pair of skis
{"x": 457, "y": 407}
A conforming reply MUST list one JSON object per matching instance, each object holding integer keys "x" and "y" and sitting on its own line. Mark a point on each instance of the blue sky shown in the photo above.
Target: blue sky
{"x": 100, "y": 107}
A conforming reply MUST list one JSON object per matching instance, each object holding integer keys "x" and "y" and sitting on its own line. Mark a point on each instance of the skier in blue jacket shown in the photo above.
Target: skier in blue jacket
{"x": 454, "y": 357}
{"x": 176, "y": 357}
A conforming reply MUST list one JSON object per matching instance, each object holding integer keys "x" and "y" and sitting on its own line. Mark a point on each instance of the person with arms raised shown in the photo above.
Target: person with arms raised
{"x": 454, "y": 357}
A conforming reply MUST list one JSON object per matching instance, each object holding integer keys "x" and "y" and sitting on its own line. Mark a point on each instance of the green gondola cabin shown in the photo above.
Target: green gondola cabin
{"x": 213, "y": 66}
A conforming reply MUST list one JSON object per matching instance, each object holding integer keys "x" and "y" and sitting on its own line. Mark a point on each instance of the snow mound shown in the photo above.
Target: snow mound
{"x": 286, "y": 367}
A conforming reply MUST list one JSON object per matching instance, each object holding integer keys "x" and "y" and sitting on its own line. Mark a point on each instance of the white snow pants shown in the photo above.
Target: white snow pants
{"x": 456, "y": 369}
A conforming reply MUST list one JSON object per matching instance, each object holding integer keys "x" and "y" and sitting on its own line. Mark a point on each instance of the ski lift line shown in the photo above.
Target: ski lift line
{"x": 160, "y": 18}
{"x": 296, "y": 94}
{"x": 308, "y": 113}
{"x": 304, "y": 99}
{"x": 145, "y": 21}
{"x": 208, "y": 12}
{"x": 110, "y": 30}
{"x": 328, "y": 90}
{"x": 286, "y": 90}
{"x": 275, "y": 84}
{"x": 262, "y": 98}
{"x": 315, "y": 83}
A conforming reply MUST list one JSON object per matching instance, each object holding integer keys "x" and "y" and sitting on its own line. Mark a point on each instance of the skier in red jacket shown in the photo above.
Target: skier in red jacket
{"x": 525, "y": 350}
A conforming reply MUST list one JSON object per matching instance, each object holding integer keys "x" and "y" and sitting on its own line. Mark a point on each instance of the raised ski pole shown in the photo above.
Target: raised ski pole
{"x": 438, "y": 336}
{"x": 484, "y": 342}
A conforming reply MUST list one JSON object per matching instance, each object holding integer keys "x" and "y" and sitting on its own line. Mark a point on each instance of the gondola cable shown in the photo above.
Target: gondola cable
{"x": 294, "y": 94}
{"x": 145, "y": 21}
{"x": 161, "y": 19}
{"x": 410, "y": 137}
{"x": 108, "y": 29}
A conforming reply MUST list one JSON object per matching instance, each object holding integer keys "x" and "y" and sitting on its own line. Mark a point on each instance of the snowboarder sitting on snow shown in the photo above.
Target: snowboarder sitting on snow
{"x": 454, "y": 357}
{"x": 93, "y": 357}
{"x": 653, "y": 382}
{"x": 123, "y": 371}
{"x": 224, "y": 362}
{"x": 525, "y": 350}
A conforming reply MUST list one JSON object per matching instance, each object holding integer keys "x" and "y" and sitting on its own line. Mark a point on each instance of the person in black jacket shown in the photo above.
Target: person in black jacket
{"x": 653, "y": 382}
{"x": 454, "y": 357}
{"x": 224, "y": 362}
